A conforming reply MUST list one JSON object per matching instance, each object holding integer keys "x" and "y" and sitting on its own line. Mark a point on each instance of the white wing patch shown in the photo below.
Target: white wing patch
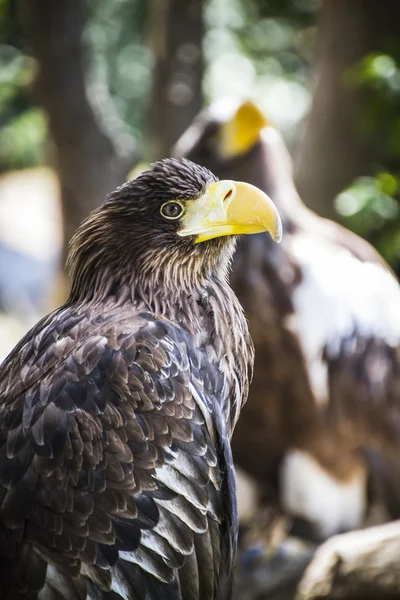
{"x": 339, "y": 296}
{"x": 309, "y": 491}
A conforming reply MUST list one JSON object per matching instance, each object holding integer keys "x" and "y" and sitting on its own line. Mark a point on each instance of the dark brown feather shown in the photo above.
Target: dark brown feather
{"x": 114, "y": 427}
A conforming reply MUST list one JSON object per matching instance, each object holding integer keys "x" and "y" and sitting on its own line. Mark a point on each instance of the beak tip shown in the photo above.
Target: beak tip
{"x": 277, "y": 235}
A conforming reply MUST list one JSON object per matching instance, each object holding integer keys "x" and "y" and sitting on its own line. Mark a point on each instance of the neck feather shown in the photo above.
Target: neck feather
{"x": 108, "y": 259}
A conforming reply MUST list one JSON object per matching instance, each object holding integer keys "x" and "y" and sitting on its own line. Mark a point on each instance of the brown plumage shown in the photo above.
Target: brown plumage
{"x": 116, "y": 478}
{"x": 319, "y": 433}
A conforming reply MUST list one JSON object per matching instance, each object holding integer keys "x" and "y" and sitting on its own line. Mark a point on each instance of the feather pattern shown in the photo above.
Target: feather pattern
{"x": 104, "y": 459}
{"x": 115, "y": 417}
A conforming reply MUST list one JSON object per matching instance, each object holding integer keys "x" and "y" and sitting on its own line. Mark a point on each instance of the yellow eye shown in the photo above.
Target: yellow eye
{"x": 172, "y": 210}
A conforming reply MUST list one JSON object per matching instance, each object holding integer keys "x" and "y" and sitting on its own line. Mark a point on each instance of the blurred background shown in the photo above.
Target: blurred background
{"x": 90, "y": 90}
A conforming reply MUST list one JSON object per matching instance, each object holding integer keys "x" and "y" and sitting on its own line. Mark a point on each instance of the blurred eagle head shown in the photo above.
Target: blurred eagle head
{"x": 231, "y": 136}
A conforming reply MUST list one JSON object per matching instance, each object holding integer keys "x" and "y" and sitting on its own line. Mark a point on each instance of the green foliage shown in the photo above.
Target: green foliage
{"x": 23, "y": 140}
{"x": 259, "y": 48}
{"x": 299, "y": 12}
{"x": 23, "y": 131}
{"x": 371, "y": 205}
{"x": 119, "y": 59}
{"x": 379, "y": 76}
{"x": 118, "y": 69}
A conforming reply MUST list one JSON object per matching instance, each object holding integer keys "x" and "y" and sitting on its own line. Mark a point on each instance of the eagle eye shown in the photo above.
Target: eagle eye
{"x": 172, "y": 210}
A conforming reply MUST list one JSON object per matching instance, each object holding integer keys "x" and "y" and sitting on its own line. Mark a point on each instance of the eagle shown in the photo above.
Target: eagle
{"x": 319, "y": 435}
{"x": 116, "y": 410}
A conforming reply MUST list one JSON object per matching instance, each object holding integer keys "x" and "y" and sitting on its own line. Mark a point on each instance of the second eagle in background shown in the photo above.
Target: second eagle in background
{"x": 319, "y": 435}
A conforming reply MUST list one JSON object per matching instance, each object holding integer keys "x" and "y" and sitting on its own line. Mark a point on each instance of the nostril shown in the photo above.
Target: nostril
{"x": 228, "y": 194}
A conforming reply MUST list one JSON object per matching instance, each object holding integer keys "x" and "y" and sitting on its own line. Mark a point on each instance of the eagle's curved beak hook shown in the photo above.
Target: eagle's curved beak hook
{"x": 231, "y": 208}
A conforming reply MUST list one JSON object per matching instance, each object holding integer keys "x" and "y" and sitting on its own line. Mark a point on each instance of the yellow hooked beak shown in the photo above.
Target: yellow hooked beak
{"x": 231, "y": 208}
{"x": 242, "y": 130}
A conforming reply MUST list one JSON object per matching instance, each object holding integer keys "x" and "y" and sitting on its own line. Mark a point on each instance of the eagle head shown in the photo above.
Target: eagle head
{"x": 173, "y": 226}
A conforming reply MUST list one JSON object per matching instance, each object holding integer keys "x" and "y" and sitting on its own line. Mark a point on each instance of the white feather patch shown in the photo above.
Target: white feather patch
{"x": 54, "y": 580}
{"x": 119, "y": 584}
{"x": 310, "y": 492}
{"x": 247, "y": 496}
{"x": 338, "y": 297}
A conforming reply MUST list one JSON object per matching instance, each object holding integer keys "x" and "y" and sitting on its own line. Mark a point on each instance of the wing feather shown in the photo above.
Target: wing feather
{"x": 110, "y": 462}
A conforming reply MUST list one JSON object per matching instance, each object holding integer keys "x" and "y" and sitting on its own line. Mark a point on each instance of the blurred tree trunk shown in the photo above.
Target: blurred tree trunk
{"x": 91, "y": 161}
{"x": 334, "y": 151}
{"x": 176, "y": 35}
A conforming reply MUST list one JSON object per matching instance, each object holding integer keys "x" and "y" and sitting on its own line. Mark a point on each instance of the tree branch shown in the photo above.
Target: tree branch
{"x": 360, "y": 565}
